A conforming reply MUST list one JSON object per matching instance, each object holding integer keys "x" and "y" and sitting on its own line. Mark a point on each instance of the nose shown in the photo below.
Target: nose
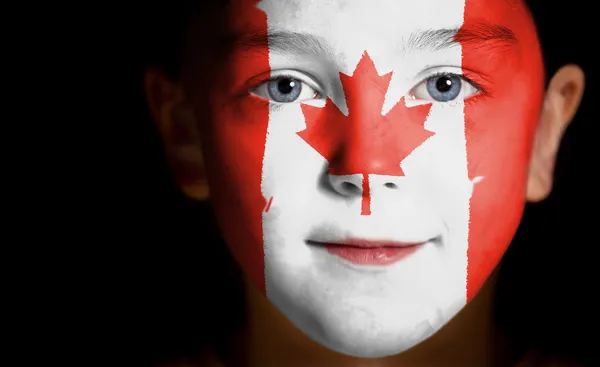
{"x": 357, "y": 185}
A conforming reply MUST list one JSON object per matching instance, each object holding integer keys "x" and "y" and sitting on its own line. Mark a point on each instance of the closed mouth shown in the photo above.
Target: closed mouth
{"x": 369, "y": 252}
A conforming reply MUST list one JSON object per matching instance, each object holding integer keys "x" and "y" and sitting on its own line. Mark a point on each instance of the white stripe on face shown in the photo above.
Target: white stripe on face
{"x": 364, "y": 310}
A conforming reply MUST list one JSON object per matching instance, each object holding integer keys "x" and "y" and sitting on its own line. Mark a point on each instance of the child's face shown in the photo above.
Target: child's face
{"x": 368, "y": 164}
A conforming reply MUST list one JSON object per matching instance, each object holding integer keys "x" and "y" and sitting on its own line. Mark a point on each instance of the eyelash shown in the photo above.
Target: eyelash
{"x": 482, "y": 90}
{"x": 292, "y": 76}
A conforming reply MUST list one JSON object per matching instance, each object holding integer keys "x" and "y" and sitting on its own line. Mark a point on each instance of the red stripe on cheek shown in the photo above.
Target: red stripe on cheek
{"x": 236, "y": 147}
{"x": 499, "y": 131}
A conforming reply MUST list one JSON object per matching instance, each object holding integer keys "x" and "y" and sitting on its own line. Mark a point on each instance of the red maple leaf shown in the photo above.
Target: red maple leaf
{"x": 365, "y": 142}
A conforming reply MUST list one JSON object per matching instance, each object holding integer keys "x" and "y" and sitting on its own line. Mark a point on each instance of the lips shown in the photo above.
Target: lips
{"x": 366, "y": 252}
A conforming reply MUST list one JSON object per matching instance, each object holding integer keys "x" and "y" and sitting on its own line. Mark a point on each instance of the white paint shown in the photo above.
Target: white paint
{"x": 350, "y": 309}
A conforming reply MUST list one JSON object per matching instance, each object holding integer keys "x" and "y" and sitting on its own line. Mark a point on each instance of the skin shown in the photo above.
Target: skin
{"x": 269, "y": 337}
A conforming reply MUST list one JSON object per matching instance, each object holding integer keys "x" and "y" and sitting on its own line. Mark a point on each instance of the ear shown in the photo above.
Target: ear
{"x": 562, "y": 100}
{"x": 178, "y": 127}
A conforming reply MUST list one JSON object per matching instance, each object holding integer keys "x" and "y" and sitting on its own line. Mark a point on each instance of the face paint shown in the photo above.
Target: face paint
{"x": 368, "y": 159}
{"x": 499, "y": 131}
{"x": 392, "y": 137}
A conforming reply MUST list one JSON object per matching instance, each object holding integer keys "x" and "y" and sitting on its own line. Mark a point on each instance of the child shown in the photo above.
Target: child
{"x": 368, "y": 164}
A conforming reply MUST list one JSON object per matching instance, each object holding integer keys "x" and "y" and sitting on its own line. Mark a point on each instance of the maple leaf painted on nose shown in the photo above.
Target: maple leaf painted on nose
{"x": 365, "y": 142}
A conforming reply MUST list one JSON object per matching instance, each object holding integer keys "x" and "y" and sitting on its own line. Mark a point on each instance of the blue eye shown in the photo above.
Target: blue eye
{"x": 443, "y": 88}
{"x": 285, "y": 89}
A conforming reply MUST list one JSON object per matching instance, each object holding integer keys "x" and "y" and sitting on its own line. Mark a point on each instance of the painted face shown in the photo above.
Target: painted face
{"x": 368, "y": 159}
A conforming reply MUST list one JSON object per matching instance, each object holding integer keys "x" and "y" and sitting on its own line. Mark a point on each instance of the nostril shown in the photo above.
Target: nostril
{"x": 350, "y": 187}
{"x": 391, "y": 185}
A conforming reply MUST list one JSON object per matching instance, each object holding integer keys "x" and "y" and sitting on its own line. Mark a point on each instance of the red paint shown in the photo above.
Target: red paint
{"x": 237, "y": 136}
{"x": 499, "y": 132}
{"x": 362, "y": 252}
{"x": 366, "y": 196}
{"x": 269, "y": 205}
{"x": 365, "y": 142}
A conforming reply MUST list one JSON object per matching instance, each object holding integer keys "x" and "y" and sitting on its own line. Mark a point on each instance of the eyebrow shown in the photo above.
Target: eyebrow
{"x": 476, "y": 34}
{"x": 482, "y": 34}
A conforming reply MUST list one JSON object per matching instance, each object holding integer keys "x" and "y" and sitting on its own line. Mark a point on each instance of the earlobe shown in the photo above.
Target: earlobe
{"x": 560, "y": 105}
{"x": 177, "y": 126}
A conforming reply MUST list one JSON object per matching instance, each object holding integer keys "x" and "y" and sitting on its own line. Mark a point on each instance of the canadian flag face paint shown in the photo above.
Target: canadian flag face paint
{"x": 368, "y": 158}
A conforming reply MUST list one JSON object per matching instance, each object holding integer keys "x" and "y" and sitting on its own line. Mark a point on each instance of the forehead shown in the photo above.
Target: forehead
{"x": 343, "y": 18}
{"x": 382, "y": 27}
{"x": 380, "y": 15}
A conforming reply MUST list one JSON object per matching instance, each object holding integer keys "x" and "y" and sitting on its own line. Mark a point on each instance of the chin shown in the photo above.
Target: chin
{"x": 355, "y": 342}
{"x": 359, "y": 324}
{"x": 365, "y": 328}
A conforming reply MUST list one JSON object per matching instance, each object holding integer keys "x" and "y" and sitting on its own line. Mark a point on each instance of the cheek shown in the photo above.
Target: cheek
{"x": 499, "y": 130}
{"x": 234, "y": 153}
{"x": 237, "y": 146}
{"x": 234, "y": 144}
{"x": 499, "y": 135}
{"x": 499, "y": 154}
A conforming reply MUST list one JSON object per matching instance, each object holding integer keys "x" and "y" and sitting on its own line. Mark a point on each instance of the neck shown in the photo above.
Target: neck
{"x": 469, "y": 339}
